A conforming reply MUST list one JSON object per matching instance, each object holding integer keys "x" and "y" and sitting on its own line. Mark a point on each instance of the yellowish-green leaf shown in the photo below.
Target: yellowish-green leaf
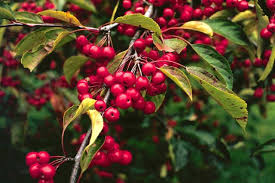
{"x": 245, "y": 15}
{"x": 88, "y": 155}
{"x": 114, "y": 11}
{"x": 73, "y": 64}
{"x": 198, "y": 26}
{"x": 2, "y": 32}
{"x": 63, "y": 38}
{"x": 230, "y": 102}
{"x": 84, "y": 4}
{"x": 175, "y": 44}
{"x": 160, "y": 45}
{"x": 222, "y": 14}
{"x": 27, "y": 17}
{"x": 61, "y": 15}
{"x": 179, "y": 78}
{"x": 139, "y": 20}
{"x": 269, "y": 65}
{"x": 75, "y": 111}
{"x": 6, "y": 12}
{"x": 114, "y": 64}
{"x": 97, "y": 126}
{"x": 158, "y": 100}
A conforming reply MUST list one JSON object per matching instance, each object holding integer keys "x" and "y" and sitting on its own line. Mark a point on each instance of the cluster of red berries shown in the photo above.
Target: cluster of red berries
{"x": 8, "y": 60}
{"x": 270, "y": 97}
{"x": 40, "y": 97}
{"x": 268, "y": 31}
{"x": 39, "y": 167}
{"x": 240, "y": 5}
{"x": 111, "y": 153}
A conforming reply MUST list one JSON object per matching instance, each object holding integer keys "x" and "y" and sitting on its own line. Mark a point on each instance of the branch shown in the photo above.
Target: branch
{"x": 107, "y": 95}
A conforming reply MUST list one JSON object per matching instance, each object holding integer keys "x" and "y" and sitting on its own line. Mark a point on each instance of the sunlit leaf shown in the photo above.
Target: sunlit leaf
{"x": 27, "y": 17}
{"x": 269, "y": 65}
{"x": 198, "y": 26}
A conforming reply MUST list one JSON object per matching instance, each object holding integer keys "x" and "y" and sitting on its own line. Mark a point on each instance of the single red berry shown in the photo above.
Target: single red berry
{"x": 258, "y": 62}
{"x": 208, "y": 11}
{"x": 258, "y": 93}
{"x": 105, "y": 128}
{"x": 43, "y": 157}
{"x": 82, "y": 87}
{"x": 149, "y": 40}
{"x": 158, "y": 78}
{"x": 119, "y": 76}
{"x": 168, "y": 13}
{"x": 139, "y": 104}
{"x": 265, "y": 33}
{"x": 162, "y": 21}
{"x": 31, "y": 158}
{"x": 129, "y": 79}
{"x": 123, "y": 101}
{"x": 34, "y": 171}
{"x": 130, "y": 31}
{"x": 149, "y": 107}
{"x": 172, "y": 22}
{"x": 186, "y": 16}
{"x": 95, "y": 52}
{"x": 100, "y": 105}
{"x": 81, "y": 138}
{"x": 139, "y": 10}
{"x": 242, "y": 5}
{"x": 148, "y": 69}
{"x": 270, "y": 98}
{"x": 109, "y": 80}
{"x": 84, "y": 96}
{"x": 133, "y": 93}
{"x": 247, "y": 63}
{"x": 142, "y": 83}
{"x": 102, "y": 72}
{"x": 115, "y": 156}
{"x": 126, "y": 157}
{"x": 140, "y": 45}
{"x": 81, "y": 40}
{"x": 111, "y": 114}
{"x": 153, "y": 54}
{"x": 47, "y": 172}
{"x": 86, "y": 49}
{"x": 117, "y": 89}
{"x": 271, "y": 27}
{"x": 109, "y": 143}
{"x": 231, "y": 3}
{"x": 127, "y": 4}
{"x": 108, "y": 52}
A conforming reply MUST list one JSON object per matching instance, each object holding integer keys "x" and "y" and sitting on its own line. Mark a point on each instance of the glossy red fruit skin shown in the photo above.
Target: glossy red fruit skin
{"x": 45, "y": 181}
{"x": 162, "y": 21}
{"x": 86, "y": 95}
{"x": 258, "y": 62}
{"x": 148, "y": 69}
{"x": 115, "y": 156}
{"x": 242, "y": 5}
{"x": 139, "y": 104}
{"x": 265, "y": 33}
{"x": 142, "y": 83}
{"x": 168, "y": 13}
{"x": 129, "y": 79}
{"x": 31, "y": 158}
{"x": 102, "y": 72}
{"x": 109, "y": 80}
{"x": 149, "y": 41}
{"x": 119, "y": 76}
{"x": 133, "y": 93}
{"x": 149, "y": 107}
{"x": 117, "y": 89}
{"x": 270, "y": 5}
{"x": 81, "y": 138}
{"x": 247, "y": 63}
{"x": 129, "y": 32}
{"x": 258, "y": 93}
{"x": 123, "y": 101}
{"x": 271, "y": 27}
{"x": 34, "y": 171}
{"x": 86, "y": 49}
{"x": 109, "y": 143}
{"x": 112, "y": 114}
{"x": 82, "y": 87}
{"x": 270, "y": 98}
{"x": 172, "y": 22}
{"x": 127, "y": 4}
{"x": 197, "y": 13}
{"x": 43, "y": 157}
{"x": 126, "y": 158}
{"x": 95, "y": 52}
{"x": 81, "y": 40}
{"x": 47, "y": 172}
{"x": 158, "y": 78}
{"x": 108, "y": 52}
{"x": 100, "y": 105}
{"x": 139, "y": 45}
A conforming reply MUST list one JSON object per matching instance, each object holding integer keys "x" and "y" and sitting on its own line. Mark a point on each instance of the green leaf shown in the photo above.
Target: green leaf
{"x": 179, "y": 78}
{"x": 84, "y": 4}
{"x": 30, "y": 41}
{"x": 59, "y": 4}
{"x": 6, "y": 12}
{"x": 158, "y": 100}
{"x": 198, "y": 26}
{"x": 31, "y": 59}
{"x": 266, "y": 147}
{"x": 27, "y": 17}
{"x": 219, "y": 63}
{"x": 181, "y": 155}
{"x": 159, "y": 44}
{"x": 229, "y": 30}
{"x": 175, "y": 44}
{"x": 114, "y": 11}
{"x": 139, "y": 20}
{"x": 97, "y": 126}
{"x": 63, "y": 38}
{"x": 231, "y": 103}
{"x": 245, "y": 15}
{"x": 72, "y": 64}
{"x": 222, "y": 14}
{"x": 75, "y": 111}
{"x": 61, "y": 15}
{"x": 114, "y": 64}
{"x": 2, "y": 31}
{"x": 269, "y": 65}
{"x": 88, "y": 154}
